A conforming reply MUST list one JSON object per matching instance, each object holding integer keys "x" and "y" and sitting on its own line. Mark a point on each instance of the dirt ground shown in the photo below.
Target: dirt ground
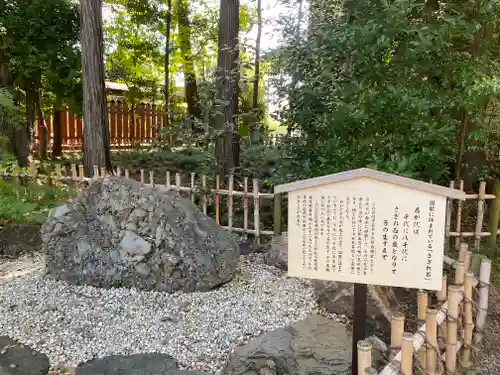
{"x": 19, "y": 239}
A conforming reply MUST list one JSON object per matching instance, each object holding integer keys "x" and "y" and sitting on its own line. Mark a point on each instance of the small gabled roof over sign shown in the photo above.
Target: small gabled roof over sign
{"x": 372, "y": 174}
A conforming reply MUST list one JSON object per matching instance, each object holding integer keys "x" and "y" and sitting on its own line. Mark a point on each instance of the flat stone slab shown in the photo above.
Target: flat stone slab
{"x": 136, "y": 364}
{"x": 17, "y": 359}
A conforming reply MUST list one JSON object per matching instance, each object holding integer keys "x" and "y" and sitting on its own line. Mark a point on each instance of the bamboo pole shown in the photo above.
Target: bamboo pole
{"x": 58, "y": 174}
{"x": 494, "y": 215}
{"x": 168, "y": 181}
{"x": 142, "y": 176}
{"x": 407, "y": 354}
{"x": 431, "y": 335}
{"x": 256, "y": 205}
{"x": 454, "y": 298}
{"x": 191, "y": 194}
{"x": 459, "y": 216}
{"x": 468, "y": 323}
{"x": 245, "y": 205}
{"x": 96, "y": 172}
{"x": 178, "y": 182}
{"x": 104, "y": 172}
{"x": 441, "y": 295}
{"x": 422, "y": 302}
{"x": 230, "y": 204}
{"x": 74, "y": 173}
{"x": 217, "y": 199}
{"x": 364, "y": 356}
{"x": 152, "y": 178}
{"x": 204, "y": 194}
{"x": 397, "y": 329}
{"x": 462, "y": 251}
{"x": 459, "y": 273}
{"x": 449, "y": 209}
{"x": 468, "y": 256}
{"x": 480, "y": 215}
{"x": 81, "y": 174}
{"x": 278, "y": 201}
{"x": 119, "y": 171}
{"x": 484, "y": 286}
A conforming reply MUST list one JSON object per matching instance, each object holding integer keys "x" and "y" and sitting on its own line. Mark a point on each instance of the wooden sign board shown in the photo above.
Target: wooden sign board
{"x": 367, "y": 227}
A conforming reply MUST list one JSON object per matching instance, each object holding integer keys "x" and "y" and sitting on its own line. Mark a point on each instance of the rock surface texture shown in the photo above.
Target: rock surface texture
{"x": 117, "y": 233}
{"x": 277, "y": 253}
{"x": 17, "y": 359}
{"x": 137, "y": 364}
{"x": 313, "y": 346}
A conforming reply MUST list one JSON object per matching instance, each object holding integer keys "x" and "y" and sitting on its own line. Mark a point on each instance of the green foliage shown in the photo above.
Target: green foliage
{"x": 29, "y": 203}
{"x": 383, "y": 86}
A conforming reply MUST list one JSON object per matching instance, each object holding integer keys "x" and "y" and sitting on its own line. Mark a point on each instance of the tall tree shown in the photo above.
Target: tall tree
{"x": 96, "y": 149}
{"x": 227, "y": 146}
{"x": 255, "y": 96}
{"x": 190, "y": 85}
{"x": 166, "y": 89}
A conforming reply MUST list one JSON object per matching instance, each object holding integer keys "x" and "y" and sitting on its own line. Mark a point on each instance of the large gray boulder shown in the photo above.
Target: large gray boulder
{"x": 117, "y": 233}
{"x": 313, "y": 346}
{"x": 17, "y": 359}
{"x": 277, "y": 252}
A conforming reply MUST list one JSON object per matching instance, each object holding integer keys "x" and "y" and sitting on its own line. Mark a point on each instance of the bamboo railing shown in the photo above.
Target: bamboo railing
{"x": 459, "y": 321}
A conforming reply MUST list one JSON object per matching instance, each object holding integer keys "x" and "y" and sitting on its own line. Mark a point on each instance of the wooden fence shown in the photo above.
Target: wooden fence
{"x": 128, "y": 127}
{"x": 449, "y": 332}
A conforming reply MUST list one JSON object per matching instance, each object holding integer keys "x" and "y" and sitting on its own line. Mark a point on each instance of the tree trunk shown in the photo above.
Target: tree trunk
{"x": 44, "y": 131}
{"x": 17, "y": 140}
{"x": 295, "y": 78}
{"x": 190, "y": 86}
{"x": 227, "y": 147}
{"x": 166, "y": 92}
{"x": 96, "y": 150}
{"x": 57, "y": 129}
{"x": 255, "y": 99}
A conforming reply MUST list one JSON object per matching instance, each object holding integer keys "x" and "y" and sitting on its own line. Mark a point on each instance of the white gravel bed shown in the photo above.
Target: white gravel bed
{"x": 72, "y": 324}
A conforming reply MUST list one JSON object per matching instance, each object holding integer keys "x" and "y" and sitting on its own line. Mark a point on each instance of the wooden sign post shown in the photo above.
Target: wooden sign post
{"x": 367, "y": 227}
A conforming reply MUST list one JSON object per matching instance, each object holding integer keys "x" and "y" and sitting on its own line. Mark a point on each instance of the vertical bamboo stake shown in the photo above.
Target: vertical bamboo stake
{"x": 364, "y": 356}
{"x": 204, "y": 194}
{"x": 278, "y": 201}
{"x": 468, "y": 256}
{"x": 480, "y": 215}
{"x": 462, "y": 251}
{"x": 494, "y": 216}
{"x": 449, "y": 208}
{"x": 217, "y": 199}
{"x": 168, "y": 183}
{"x": 441, "y": 295}
{"x": 431, "y": 335}
{"x": 467, "y": 321}
{"x": 191, "y": 191}
{"x": 58, "y": 173}
{"x": 256, "y": 205}
{"x": 81, "y": 173}
{"x": 422, "y": 303}
{"x": 454, "y": 294}
{"x": 152, "y": 178}
{"x": 407, "y": 354}
{"x": 104, "y": 172}
{"x": 397, "y": 329}
{"x": 459, "y": 273}
{"x": 119, "y": 171}
{"x": 245, "y": 205}
{"x": 127, "y": 173}
{"x": 178, "y": 182}
{"x": 484, "y": 287}
{"x": 96, "y": 172}
{"x": 142, "y": 177}
{"x": 459, "y": 217}
{"x": 74, "y": 174}
{"x": 230, "y": 203}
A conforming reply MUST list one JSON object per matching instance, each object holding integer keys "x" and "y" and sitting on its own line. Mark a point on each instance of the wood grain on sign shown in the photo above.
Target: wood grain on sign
{"x": 367, "y": 231}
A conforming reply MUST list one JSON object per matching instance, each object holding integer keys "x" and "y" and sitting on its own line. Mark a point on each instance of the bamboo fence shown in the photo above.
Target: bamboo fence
{"x": 458, "y": 219}
{"x": 449, "y": 333}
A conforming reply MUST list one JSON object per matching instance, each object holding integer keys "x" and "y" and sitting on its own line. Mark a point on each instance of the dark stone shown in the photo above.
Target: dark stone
{"x": 21, "y": 360}
{"x": 118, "y": 233}
{"x": 136, "y": 364}
{"x": 313, "y": 346}
{"x": 277, "y": 253}
{"x": 338, "y": 297}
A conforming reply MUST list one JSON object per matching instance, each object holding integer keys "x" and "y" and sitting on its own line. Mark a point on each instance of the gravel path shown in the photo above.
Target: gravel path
{"x": 72, "y": 324}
